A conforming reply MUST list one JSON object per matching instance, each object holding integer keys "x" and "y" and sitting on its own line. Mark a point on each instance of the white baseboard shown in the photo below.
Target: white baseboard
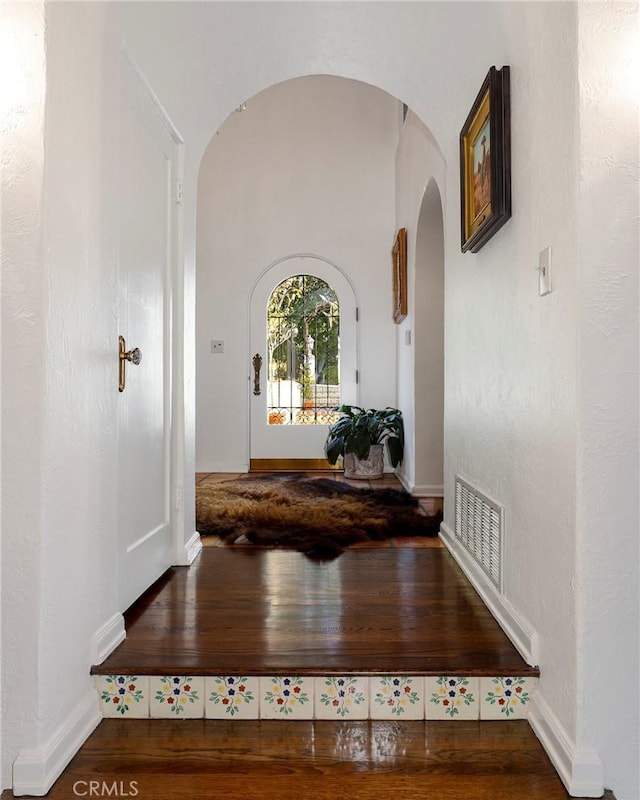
{"x": 418, "y": 490}
{"x": 192, "y": 548}
{"x": 222, "y": 468}
{"x": 105, "y": 640}
{"x": 521, "y": 633}
{"x": 35, "y": 771}
{"x": 581, "y": 771}
{"x": 427, "y": 491}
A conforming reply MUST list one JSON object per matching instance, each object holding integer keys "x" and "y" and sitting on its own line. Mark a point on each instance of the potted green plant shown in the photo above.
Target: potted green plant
{"x": 359, "y": 436}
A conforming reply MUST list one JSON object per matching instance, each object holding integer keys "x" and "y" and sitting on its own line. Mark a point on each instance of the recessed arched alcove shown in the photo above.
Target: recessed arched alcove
{"x": 306, "y": 166}
{"x": 429, "y": 345}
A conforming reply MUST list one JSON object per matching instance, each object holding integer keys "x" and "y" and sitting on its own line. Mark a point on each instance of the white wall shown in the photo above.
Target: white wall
{"x": 23, "y": 371}
{"x": 429, "y": 345}
{"x": 510, "y": 426}
{"x": 512, "y": 381}
{"x": 60, "y": 531}
{"x": 510, "y": 355}
{"x": 608, "y": 445}
{"x": 307, "y": 168}
{"x": 79, "y": 452}
{"x": 420, "y": 365}
{"x": 59, "y": 377}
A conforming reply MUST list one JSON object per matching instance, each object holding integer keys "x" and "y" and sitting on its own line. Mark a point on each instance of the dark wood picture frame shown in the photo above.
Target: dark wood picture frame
{"x": 485, "y": 172}
{"x": 399, "y": 260}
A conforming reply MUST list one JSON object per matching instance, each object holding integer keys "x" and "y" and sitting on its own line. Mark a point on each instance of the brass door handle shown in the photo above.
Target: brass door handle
{"x": 134, "y": 356}
{"x": 257, "y": 365}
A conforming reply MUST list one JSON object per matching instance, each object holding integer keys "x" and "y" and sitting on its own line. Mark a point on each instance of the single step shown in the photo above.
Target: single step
{"x": 270, "y": 613}
{"x": 350, "y": 697}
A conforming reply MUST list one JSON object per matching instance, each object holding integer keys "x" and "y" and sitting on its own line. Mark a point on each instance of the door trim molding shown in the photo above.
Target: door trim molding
{"x": 292, "y": 256}
{"x": 152, "y": 96}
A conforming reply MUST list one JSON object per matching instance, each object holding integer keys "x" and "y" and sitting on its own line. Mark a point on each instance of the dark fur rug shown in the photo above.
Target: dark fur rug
{"x": 316, "y": 516}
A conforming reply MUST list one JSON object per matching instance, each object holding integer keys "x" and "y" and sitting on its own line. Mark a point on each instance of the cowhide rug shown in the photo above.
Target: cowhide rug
{"x": 316, "y": 516}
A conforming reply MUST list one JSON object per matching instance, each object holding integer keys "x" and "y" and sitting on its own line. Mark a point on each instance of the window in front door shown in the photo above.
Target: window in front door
{"x": 303, "y": 346}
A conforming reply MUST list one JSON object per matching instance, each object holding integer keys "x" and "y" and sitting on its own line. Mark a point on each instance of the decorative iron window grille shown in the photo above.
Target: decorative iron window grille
{"x": 303, "y": 345}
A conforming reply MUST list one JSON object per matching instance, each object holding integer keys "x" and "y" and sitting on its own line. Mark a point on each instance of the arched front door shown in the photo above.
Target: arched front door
{"x": 302, "y": 360}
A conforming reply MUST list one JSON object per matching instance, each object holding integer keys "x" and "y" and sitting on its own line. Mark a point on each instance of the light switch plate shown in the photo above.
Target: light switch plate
{"x": 544, "y": 272}
{"x": 217, "y": 346}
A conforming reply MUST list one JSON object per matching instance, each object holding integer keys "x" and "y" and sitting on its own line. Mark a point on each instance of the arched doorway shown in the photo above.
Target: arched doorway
{"x": 295, "y": 304}
{"x": 305, "y": 170}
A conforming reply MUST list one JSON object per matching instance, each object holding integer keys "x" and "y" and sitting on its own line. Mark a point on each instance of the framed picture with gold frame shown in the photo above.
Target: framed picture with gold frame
{"x": 485, "y": 162}
{"x": 399, "y": 260}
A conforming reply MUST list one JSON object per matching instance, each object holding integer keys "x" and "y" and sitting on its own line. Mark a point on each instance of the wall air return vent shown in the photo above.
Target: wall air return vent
{"x": 479, "y": 525}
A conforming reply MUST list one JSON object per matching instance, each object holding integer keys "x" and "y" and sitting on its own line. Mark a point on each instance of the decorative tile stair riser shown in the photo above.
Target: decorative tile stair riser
{"x": 349, "y": 697}
{"x": 341, "y": 698}
{"x": 453, "y": 697}
{"x": 123, "y": 695}
{"x": 176, "y": 696}
{"x": 232, "y": 697}
{"x": 397, "y": 697}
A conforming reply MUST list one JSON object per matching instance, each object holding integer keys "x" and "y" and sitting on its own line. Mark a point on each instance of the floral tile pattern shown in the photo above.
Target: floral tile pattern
{"x": 176, "y": 696}
{"x": 232, "y": 696}
{"x": 348, "y": 697}
{"x": 505, "y": 698}
{"x": 452, "y": 697}
{"x": 341, "y": 698}
{"x": 286, "y": 697}
{"x": 398, "y": 696}
{"x": 123, "y": 695}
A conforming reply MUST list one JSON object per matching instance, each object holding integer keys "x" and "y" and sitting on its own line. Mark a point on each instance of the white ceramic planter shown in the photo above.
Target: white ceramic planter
{"x": 365, "y": 469}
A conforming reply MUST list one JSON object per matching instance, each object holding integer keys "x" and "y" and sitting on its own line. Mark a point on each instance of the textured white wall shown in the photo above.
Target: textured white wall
{"x": 510, "y": 426}
{"x": 79, "y": 523}
{"x": 307, "y": 168}
{"x": 608, "y": 446}
{"x": 23, "y": 369}
{"x": 59, "y": 417}
{"x": 420, "y": 376}
{"x": 59, "y": 450}
{"x": 428, "y": 342}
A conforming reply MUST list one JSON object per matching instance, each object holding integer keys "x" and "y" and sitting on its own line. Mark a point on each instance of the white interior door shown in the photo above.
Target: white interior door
{"x": 281, "y": 428}
{"x": 149, "y": 164}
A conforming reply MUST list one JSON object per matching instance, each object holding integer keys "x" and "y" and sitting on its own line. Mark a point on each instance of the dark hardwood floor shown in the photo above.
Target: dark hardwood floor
{"x": 287, "y": 760}
{"x": 405, "y": 611}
